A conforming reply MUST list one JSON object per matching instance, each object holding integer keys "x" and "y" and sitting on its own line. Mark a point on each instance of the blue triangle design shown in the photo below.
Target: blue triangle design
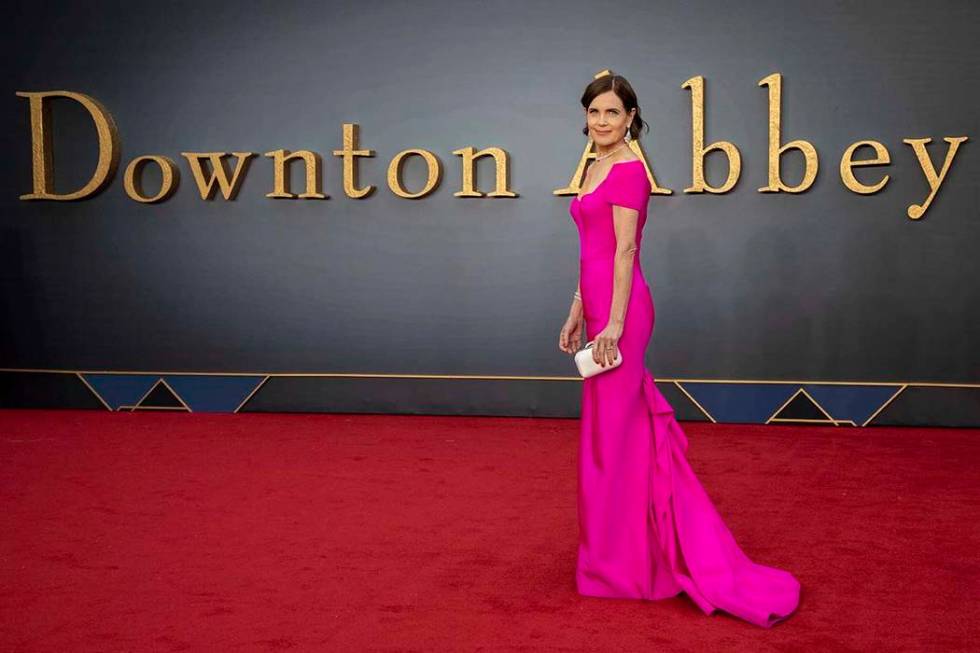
{"x": 853, "y": 402}
{"x": 740, "y": 402}
{"x": 211, "y": 393}
{"x": 121, "y": 389}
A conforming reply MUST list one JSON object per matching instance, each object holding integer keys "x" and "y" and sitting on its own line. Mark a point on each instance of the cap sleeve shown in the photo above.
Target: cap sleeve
{"x": 630, "y": 187}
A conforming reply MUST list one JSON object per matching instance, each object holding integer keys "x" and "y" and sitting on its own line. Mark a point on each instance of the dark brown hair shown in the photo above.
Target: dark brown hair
{"x": 618, "y": 85}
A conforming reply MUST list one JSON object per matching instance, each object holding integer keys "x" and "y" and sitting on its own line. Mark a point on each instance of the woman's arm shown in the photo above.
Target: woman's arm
{"x": 624, "y": 223}
{"x": 575, "y": 311}
{"x": 570, "y": 336}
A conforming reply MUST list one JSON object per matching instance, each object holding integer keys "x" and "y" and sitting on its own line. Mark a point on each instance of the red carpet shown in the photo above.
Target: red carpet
{"x": 195, "y": 532}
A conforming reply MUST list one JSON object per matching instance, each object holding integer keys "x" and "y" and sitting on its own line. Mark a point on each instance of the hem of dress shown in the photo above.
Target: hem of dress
{"x": 669, "y": 448}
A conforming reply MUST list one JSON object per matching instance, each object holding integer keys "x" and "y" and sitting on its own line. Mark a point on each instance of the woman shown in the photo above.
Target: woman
{"x": 647, "y": 529}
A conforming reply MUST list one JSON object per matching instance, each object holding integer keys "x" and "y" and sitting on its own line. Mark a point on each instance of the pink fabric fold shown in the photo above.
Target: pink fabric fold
{"x": 710, "y": 567}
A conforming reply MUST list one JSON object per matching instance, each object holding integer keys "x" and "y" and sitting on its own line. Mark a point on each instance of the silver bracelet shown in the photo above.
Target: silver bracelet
{"x": 577, "y": 295}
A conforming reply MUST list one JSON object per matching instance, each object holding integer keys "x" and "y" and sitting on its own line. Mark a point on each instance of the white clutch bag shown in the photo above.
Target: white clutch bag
{"x": 588, "y": 367}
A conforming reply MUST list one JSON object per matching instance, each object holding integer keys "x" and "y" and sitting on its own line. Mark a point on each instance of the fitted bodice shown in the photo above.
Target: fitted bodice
{"x": 626, "y": 184}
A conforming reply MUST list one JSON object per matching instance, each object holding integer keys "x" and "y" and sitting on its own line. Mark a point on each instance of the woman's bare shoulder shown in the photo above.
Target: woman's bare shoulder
{"x": 626, "y": 159}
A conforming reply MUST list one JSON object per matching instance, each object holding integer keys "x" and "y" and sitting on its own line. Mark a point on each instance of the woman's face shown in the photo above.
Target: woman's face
{"x": 607, "y": 119}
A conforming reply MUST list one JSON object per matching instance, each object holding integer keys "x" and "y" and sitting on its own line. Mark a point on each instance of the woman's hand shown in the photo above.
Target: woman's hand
{"x": 570, "y": 338}
{"x": 605, "y": 344}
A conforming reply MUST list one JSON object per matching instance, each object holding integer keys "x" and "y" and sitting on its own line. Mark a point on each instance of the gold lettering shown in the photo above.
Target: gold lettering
{"x": 916, "y": 211}
{"x": 469, "y": 172}
{"x": 42, "y": 149}
{"x": 847, "y": 162}
{"x": 351, "y": 135}
{"x": 811, "y": 163}
{"x": 229, "y": 189}
{"x": 312, "y": 163}
{"x": 394, "y": 170}
{"x": 575, "y": 185}
{"x": 699, "y": 151}
{"x": 169, "y": 178}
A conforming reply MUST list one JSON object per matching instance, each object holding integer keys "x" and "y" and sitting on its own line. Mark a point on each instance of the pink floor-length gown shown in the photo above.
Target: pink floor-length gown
{"x": 647, "y": 528}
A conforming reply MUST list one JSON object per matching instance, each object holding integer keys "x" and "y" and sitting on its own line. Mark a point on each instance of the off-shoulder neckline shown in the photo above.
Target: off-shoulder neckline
{"x": 608, "y": 174}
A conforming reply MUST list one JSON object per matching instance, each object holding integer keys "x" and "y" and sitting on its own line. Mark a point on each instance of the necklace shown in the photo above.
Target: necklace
{"x": 609, "y": 154}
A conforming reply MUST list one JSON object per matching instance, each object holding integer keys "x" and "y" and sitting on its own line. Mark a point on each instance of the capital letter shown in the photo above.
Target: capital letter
{"x": 41, "y": 147}
{"x": 575, "y": 187}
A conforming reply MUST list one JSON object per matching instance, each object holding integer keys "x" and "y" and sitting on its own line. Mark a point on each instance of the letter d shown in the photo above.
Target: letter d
{"x": 41, "y": 148}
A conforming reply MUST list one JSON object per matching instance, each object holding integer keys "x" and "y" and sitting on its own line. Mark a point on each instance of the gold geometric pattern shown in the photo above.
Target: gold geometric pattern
{"x": 678, "y": 382}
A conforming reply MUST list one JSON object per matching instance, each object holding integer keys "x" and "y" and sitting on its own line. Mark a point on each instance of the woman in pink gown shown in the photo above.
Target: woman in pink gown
{"x": 647, "y": 528}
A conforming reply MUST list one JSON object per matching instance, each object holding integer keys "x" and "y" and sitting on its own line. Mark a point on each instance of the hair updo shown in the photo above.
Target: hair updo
{"x": 618, "y": 85}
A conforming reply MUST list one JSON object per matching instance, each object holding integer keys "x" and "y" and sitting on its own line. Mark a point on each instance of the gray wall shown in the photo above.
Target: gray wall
{"x": 827, "y": 285}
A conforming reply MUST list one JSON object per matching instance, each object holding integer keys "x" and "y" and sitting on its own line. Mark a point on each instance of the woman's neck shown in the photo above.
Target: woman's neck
{"x": 609, "y": 150}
